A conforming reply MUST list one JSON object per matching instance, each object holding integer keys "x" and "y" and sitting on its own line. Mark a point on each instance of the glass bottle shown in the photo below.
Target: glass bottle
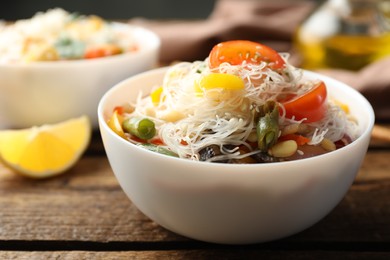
{"x": 346, "y": 34}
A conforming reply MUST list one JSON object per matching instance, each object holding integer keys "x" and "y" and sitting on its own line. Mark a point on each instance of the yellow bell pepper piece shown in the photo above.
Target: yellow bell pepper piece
{"x": 220, "y": 80}
{"x": 156, "y": 96}
{"x": 115, "y": 123}
{"x": 225, "y": 82}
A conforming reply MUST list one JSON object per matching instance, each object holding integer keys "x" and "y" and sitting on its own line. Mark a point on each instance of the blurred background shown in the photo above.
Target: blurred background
{"x": 113, "y": 9}
{"x": 345, "y": 34}
{"x": 342, "y": 36}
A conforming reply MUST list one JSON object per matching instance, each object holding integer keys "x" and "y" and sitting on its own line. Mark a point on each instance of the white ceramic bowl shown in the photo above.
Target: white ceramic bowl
{"x": 233, "y": 203}
{"x": 49, "y": 92}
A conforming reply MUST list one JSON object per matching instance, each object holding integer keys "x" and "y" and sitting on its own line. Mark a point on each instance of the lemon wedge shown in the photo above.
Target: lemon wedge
{"x": 47, "y": 150}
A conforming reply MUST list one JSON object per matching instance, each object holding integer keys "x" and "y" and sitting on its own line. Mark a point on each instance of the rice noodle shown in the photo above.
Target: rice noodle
{"x": 201, "y": 120}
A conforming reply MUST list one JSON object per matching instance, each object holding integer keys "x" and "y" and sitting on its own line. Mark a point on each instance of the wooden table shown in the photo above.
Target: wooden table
{"x": 83, "y": 214}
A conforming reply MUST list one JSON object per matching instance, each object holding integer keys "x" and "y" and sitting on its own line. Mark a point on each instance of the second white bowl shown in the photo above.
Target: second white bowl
{"x": 49, "y": 92}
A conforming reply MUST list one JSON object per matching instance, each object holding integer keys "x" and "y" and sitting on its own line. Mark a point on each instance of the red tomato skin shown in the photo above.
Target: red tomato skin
{"x": 311, "y": 106}
{"x": 237, "y": 51}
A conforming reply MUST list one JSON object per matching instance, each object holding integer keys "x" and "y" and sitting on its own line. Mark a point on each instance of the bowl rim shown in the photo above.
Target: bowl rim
{"x": 153, "y": 40}
{"x": 366, "y": 131}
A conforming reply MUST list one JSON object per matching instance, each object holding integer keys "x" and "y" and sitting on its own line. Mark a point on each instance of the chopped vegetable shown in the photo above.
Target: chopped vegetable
{"x": 115, "y": 123}
{"x": 268, "y": 126}
{"x": 299, "y": 139}
{"x": 142, "y": 128}
{"x": 156, "y": 95}
{"x": 239, "y": 51}
{"x": 102, "y": 51}
{"x": 310, "y": 107}
{"x": 157, "y": 149}
{"x": 220, "y": 80}
{"x": 69, "y": 48}
{"x": 225, "y": 83}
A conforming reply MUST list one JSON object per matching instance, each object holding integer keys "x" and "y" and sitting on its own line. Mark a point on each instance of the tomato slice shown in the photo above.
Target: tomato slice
{"x": 311, "y": 105}
{"x": 237, "y": 51}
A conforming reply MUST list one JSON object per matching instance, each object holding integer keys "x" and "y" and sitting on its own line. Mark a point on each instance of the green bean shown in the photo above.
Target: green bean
{"x": 267, "y": 126}
{"x": 142, "y": 128}
{"x": 158, "y": 149}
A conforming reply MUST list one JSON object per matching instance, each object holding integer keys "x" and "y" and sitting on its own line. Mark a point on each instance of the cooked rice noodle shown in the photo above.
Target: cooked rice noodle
{"x": 203, "y": 120}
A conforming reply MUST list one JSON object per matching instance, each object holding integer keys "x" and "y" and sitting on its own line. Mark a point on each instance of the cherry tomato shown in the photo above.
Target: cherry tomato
{"x": 311, "y": 105}
{"x": 237, "y": 51}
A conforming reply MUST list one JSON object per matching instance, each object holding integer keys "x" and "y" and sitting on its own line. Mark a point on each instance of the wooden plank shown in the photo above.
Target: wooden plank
{"x": 238, "y": 253}
{"x": 375, "y": 167}
{"x": 87, "y": 204}
{"x": 380, "y": 135}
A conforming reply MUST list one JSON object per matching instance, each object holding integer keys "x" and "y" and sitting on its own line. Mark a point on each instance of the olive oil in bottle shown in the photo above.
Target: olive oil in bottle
{"x": 346, "y": 34}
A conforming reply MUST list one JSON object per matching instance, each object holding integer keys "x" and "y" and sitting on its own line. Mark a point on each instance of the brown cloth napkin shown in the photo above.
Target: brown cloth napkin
{"x": 269, "y": 22}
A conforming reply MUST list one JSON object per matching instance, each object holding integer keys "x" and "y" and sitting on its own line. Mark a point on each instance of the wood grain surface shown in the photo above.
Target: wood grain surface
{"x": 84, "y": 214}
